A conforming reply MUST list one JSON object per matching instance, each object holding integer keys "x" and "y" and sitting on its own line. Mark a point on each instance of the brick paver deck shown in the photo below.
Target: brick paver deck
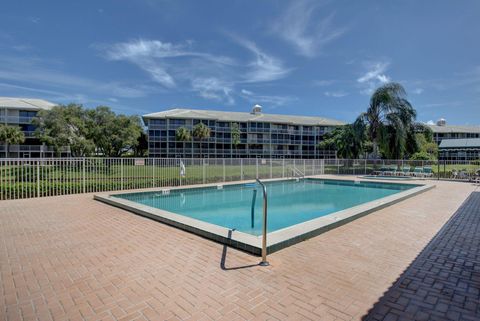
{"x": 72, "y": 258}
{"x": 443, "y": 283}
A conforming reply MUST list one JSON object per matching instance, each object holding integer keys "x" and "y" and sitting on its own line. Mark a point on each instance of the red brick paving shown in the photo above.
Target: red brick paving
{"x": 444, "y": 280}
{"x": 72, "y": 258}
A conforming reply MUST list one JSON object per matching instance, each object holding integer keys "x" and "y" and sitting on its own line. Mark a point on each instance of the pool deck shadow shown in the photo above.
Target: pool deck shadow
{"x": 224, "y": 259}
{"x": 443, "y": 282}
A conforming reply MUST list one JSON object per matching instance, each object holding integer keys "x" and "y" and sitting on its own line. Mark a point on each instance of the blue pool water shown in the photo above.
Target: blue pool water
{"x": 289, "y": 202}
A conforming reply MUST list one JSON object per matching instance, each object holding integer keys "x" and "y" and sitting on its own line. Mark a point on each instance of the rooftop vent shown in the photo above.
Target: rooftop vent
{"x": 257, "y": 109}
{"x": 441, "y": 122}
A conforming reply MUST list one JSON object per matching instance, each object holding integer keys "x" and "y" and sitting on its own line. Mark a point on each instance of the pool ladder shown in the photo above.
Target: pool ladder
{"x": 264, "y": 261}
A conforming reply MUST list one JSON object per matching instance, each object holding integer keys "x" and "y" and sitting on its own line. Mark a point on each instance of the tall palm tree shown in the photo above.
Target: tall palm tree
{"x": 182, "y": 134}
{"x": 201, "y": 132}
{"x": 390, "y": 119}
{"x": 11, "y": 135}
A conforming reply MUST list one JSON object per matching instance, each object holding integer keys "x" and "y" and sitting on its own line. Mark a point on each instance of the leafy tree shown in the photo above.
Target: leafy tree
{"x": 141, "y": 148}
{"x": 112, "y": 134}
{"x": 390, "y": 121}
{"x": 426, "y": 145}
{"x": 349, "y": 140}
{"x": 421, "y": 156}
{"x": 201, "y": 132}
{"x": 182, "y": 134}
{"x": 11, "y": 135}
{"x": 235, "y": 136}
{"x": 64, "y": 126}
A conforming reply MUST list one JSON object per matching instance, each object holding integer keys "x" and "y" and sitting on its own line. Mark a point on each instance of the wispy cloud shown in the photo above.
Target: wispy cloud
{"x": 418, "y": 91}
{"x": 374, "y": 76}
{"x": 272, "y": 100}
{"x": 301, "y": 26}
{"x": 375, "y": 72}
{"x": 335, "y": 94}
{"x": 178, "y": 66}
{"x": 324, "y": 82}
{"x": 155, "y": 57}
{"x": 264, "y": 67}
{"x": 213, "y": 88}
{"x": 31, "y": 74}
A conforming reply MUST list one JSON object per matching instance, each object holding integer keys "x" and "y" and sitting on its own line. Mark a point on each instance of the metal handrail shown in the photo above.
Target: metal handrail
{"x": 298, "y": 172}
{"x": 264, "y": 261}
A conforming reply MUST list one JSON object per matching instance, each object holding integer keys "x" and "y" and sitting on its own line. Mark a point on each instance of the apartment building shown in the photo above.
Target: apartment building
{"x": 443, "y": 131}
{"x": 463, "y": 149}
{"x": 261, "y": 135}
{"x": 20, "y": 112}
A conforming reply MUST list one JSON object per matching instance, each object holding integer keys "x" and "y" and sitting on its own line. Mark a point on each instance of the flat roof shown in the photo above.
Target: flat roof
{"x": 25, "y": 103}
{"x": 460, "y": 143}
{"x": 454, "y": 129}
{"x": 243, "y": 117}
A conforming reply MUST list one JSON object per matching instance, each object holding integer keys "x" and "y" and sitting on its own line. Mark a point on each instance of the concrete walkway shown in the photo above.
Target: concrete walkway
{"x": 72, "y": 258}
{"x": 443, "y": 283}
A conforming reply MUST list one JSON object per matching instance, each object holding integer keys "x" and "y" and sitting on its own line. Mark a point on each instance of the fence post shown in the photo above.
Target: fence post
{"x": 444, "y": 168}
{"x": 304, "y": 169}
{"x": 38, "y": 178}
{"x": 283, "y": 167}
{"x": 223, "y": 161}
{"x": 365, "y": 167}
{"x": 438, "y": 170}
{"x": 153, "y": 173}
{"x": 241, "y": 169}
{"x": 203, "y": 170}
{"x": 256, "y": 168}
{"x": 83, "y": 176}
{"x": 271, "y": 173}
{"x": 121, "y": 173}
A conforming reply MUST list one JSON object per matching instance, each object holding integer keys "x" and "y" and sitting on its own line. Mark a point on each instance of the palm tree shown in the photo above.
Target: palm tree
{"x": 390, "y": 120}
{"x": 182, "y": 134}
{"x": 201, "y": 132}
{"x": 11, "y": 135}
{"x": 235, "y": 136}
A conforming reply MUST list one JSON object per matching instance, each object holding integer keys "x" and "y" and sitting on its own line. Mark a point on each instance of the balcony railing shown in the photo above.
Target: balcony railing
{"x": 32, "y": 148}
{"x": 16, "y": 119}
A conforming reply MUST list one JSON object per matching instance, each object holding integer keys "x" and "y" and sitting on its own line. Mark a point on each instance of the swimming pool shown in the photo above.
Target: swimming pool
{"x": 297, "y": 209}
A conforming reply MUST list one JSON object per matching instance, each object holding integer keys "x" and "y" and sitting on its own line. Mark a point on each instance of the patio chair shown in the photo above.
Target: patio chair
{"x": 427, "y": 171}
{"x": 394, "y": 170}
{"x": 463, "y": 174}
{"x": 418, "y": 172}
{"x": 391, "y": 170}
{"x": 405, "y": 170}
{"x": 454, "y": 174}
{"x": 477, "y": 176}
{"x": 382, "y": 171}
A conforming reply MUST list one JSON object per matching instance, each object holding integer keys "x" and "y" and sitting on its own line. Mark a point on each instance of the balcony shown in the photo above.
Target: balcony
{"x": 259, "y": 141}
{"x": 29, "y": 133}
{"x": 16, "y": 119}
{"x": 33, "y": 148}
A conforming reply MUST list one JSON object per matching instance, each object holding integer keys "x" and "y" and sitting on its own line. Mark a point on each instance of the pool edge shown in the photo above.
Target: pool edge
{"x": 277, "y": 240}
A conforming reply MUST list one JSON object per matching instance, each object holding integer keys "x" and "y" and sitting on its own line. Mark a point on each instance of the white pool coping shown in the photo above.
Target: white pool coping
{"x": 275, "y": 240}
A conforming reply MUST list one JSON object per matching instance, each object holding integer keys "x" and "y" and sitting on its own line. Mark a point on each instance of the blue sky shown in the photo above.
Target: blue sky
{"x": 300, "y": 57}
